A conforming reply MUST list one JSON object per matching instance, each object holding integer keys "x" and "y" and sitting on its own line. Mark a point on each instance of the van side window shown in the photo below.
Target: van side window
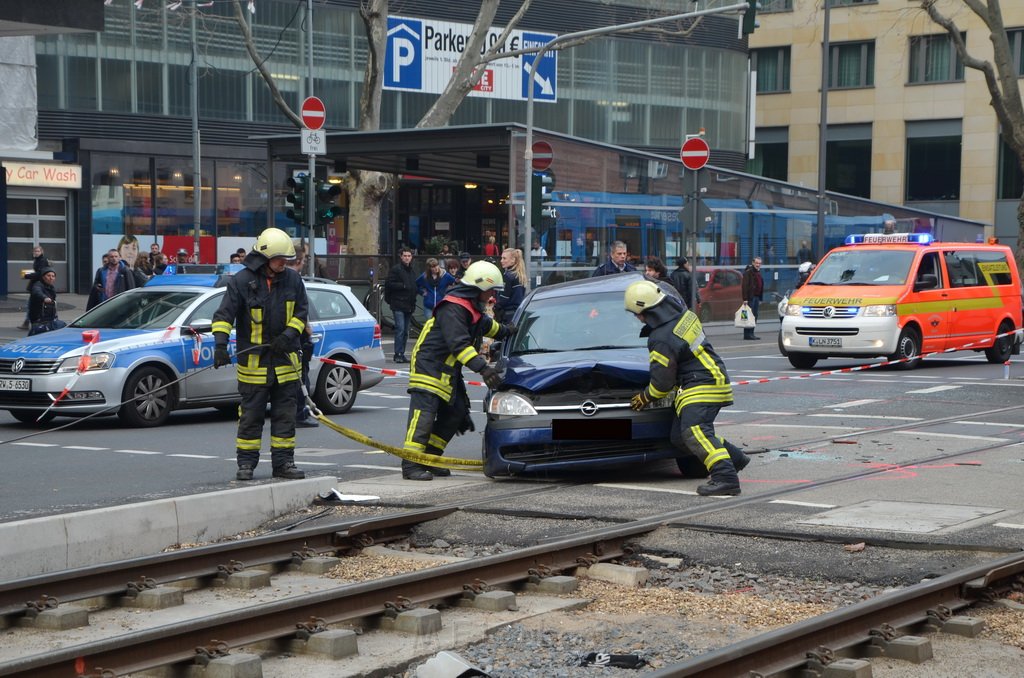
{"x": 930, "y": 266}
{"x": 962, "y": 268}
{"x": 994, "y": 268}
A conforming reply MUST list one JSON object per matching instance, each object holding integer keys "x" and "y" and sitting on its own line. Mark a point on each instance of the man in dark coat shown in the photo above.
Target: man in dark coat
{"x": 682, "y": 280}
{"x": 39, "y": 262}
{"x": 400, "y": 292}
{"x": 42, "y": 303}
{"x": 752, "y": 288}
{"x": 616, "y": 261}
{"x": 111, "y": 279}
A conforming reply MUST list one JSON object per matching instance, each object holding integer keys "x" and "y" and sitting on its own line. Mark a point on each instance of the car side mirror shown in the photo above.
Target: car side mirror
{"x": 201, "y": 327}
{"x": 926, "y": 281}
{"x": 494, "y": 351}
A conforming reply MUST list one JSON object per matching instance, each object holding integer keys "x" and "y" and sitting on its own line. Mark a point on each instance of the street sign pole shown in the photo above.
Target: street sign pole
{"x": 311, "y": 185}
{"x": 604, "y": 30}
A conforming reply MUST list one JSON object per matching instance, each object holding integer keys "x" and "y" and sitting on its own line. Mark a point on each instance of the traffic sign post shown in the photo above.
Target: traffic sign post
{"x": 694, "y": 153}
{"x": 542, "y": 156}
{"x": 313, "y": 113}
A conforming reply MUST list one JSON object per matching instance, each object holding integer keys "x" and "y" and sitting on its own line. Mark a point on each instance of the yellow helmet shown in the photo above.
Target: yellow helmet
{"x": 643, "y": 295}
{"x": 273, "y": 242}
{"x": 484, "y": 276}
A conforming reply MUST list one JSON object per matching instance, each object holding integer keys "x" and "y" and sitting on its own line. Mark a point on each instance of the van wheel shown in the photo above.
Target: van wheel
{"x": 907, "y": 347}
{"x": 802, "y": 361}
{"x": 1002, "y": 349}
{"x": 782, "y": 349}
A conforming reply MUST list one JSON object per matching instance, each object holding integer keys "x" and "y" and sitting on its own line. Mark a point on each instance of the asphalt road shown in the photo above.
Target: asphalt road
{"x": 98, "y": 463}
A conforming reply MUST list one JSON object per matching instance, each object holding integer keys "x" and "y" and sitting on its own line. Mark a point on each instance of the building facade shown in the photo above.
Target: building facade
{"x": 907, "y": 122}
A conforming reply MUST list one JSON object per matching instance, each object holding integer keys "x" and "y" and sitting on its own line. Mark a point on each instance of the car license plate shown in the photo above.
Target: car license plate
{"x": 836, "y": 342}
{"x": 592, "y": 429}
{"x": 7, "y": 384}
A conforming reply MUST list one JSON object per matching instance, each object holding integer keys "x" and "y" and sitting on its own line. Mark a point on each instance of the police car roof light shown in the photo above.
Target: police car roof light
{"x": 890, "y": 239}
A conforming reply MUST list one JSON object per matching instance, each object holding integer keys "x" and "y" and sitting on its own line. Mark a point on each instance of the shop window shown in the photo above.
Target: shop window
{"x": 933, "y": 168}
{"x": 934, "y": 59}
{"x": 848, "y": 167}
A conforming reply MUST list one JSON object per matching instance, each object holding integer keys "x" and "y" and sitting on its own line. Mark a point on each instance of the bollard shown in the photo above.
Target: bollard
{"x": 1006, "y": 370}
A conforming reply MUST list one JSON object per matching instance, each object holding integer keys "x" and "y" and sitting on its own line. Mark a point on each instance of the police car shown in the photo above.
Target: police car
{"x": 138, "y": 345}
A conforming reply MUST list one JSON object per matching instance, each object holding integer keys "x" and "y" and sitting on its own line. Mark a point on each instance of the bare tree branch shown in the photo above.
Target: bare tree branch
{"x": 261, "y": 66}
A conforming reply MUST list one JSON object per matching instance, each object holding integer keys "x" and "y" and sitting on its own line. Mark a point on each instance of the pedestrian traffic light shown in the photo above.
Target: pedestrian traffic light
{"x": 543, "y": 195}
{"x": 298, "y": 198}
{"x": 750, "y": 17}
{"x": 326, "y": 207}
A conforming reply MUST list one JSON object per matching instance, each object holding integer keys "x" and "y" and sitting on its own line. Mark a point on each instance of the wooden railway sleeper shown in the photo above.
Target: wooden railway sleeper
{"x": 34, "y": 607}
{"x": 818, "y": 660}
{"x": 312, "y": 626}
{"x": 207, "y": 653}
{"x": 474, "y": 589}
{"x": 539, "y": 573}
{"x": 134, "y": 588}
{"x": 392, "y": 608}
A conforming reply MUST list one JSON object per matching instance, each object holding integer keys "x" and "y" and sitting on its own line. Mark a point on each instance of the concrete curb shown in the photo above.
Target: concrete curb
{"x": 54, "y": 543}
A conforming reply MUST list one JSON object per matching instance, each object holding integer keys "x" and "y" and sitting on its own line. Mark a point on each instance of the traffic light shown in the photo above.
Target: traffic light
{"x": 298, "y": 198}
{"x": 326, "y": 207}
{"x": 543, "y": 195}
{"x": 750, "y": 17}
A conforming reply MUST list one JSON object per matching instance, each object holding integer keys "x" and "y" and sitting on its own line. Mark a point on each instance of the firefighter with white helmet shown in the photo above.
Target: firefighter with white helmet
{"x": 266, "y": 302}
{"x": 451, "y": 338}
{"x": 681, "y": 356}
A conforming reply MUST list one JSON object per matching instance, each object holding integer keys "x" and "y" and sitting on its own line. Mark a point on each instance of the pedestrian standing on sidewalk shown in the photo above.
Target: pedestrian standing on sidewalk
{"x": 752, "y": 288}
{"x": 400, "y": 295}
{"x": 39, "y": 262}
{"x": 432, "y": 285}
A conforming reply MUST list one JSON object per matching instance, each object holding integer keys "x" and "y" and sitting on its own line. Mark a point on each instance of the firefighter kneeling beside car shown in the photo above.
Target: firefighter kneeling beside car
{"x": 680, "y": 355}
{"x": 451, "y": 338}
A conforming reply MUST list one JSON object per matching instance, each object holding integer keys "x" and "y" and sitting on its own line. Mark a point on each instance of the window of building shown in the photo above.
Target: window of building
{"x": 772, "y": 67}
{"x": 934, "y": 59}
{"x": 1011, "y": 179}
{"x": 771, "y": 160}
{"x": 852, "y": 65}
{"x": 933, "y": 160}
{"x": 117, "y": 84}
{"x": 848, "y": 159}
{"x": 847, "y": 3}
{"x": 1016, "y": 39}
{"x": 769, "y": 6}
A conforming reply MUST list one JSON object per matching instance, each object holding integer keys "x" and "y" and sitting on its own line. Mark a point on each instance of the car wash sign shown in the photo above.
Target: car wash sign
{"x": 422, "y": 53}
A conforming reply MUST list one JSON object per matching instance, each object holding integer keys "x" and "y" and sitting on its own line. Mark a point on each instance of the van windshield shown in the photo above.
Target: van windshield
{"x": 864, "y": 267}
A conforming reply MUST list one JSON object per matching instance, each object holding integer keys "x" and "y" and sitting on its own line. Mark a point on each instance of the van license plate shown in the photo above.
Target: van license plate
{"x": 835, "y": 342}
{"x": 15, "y": 384}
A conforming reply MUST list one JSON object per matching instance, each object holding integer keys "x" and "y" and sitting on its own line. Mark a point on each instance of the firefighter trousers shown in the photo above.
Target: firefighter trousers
{"x": 694, "y": 431}
{"x": 253, "y": 410}
{"x": 432, "y": 423}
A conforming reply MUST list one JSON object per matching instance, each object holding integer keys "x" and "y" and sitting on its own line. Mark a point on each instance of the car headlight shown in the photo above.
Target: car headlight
{"x": 794, "y": 309}
{"x": 880, "y": 311}
{"x": 97, "y": 361}
{"x": 508, "y": 404}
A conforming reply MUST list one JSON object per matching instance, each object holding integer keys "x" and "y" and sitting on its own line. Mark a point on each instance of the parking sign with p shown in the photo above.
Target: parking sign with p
{"x": 403, "y": 57}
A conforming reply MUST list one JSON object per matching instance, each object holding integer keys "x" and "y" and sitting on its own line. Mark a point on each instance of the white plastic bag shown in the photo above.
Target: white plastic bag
{"x": 744, "y": 317}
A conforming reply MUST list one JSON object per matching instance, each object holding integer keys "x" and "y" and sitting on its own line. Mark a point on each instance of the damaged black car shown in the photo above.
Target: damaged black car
{"x": 569, "y": 373}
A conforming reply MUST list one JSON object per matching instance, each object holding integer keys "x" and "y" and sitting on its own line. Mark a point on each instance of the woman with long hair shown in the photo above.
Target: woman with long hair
{"x": 432, "y": 285}
{"x": 514, "y": 272}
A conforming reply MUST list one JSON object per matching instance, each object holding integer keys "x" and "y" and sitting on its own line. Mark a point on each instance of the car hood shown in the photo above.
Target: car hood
{"x": 543, "y": 371}
{"x": 69, "y": 341}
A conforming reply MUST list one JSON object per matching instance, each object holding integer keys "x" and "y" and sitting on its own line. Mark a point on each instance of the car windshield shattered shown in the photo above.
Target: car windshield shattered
{"x": 577, "y": 323}
{"x": 143, "y": 310}
{"x": 863, "y": 267}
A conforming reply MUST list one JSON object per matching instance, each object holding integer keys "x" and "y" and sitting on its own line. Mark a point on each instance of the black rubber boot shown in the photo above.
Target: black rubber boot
{"x": 289, "y": 471}
{"x": 736, "y": 455}
{"x": 724, "y": 481}
{"x": 244, "y": 473}
{"x": 414, "y": 471}
{"x": 439, "y": 471}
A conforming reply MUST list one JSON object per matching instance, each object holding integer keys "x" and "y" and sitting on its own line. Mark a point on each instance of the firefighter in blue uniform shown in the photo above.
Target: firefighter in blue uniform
{"x": 681, "y": 356}
{"x": 451, "y": 338}
{"x": 266, "y": 302}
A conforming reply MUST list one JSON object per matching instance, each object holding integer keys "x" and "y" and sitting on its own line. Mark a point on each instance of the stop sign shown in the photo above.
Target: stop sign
{"x": 542, "y": 155}
{"x": 694, "y": 153}
{"x": 313, "y": 113}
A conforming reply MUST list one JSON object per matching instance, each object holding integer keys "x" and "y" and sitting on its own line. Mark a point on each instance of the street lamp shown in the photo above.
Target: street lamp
{"x": 819, "y": 248}
{"x": 604, "y": 30}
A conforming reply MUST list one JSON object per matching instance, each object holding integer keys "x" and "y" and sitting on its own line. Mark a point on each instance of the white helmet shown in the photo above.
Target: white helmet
{"x": 484, "y": 276}
{"x": 643, "y": 295}
{"x": 273, "y": 242}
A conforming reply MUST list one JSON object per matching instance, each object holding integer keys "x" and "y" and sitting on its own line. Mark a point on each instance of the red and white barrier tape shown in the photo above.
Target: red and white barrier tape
{"x": 90, "y": 337}
{"x": 858, "y": 368}
{"x": 382, "y": 370}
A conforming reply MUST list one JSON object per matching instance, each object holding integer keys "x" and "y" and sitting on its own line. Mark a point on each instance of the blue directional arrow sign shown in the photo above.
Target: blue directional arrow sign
{"x": 545, "y": 87}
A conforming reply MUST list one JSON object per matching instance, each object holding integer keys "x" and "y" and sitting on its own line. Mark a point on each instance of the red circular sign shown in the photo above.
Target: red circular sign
{"x": 313, "y": 113}
{"x": 694, "y": 153}
{"x": 542, "y": 155}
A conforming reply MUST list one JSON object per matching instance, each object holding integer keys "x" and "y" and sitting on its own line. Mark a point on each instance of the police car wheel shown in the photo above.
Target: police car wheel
{"x": 30, "y": 416}
{"x": 1002, "y": 349}
{"x": 908, "y": 347}
{"x": 336, "y": 389}
{"x": 147, "y": 401}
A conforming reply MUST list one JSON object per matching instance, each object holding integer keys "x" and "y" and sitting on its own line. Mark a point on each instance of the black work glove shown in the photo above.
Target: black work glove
{"x": 221, "y": 357}
{"x": 640, "y": 400}
{"x": 282, "y": 344}
{"x": 510, "y": 329}
{"x": 491, "y": 377}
